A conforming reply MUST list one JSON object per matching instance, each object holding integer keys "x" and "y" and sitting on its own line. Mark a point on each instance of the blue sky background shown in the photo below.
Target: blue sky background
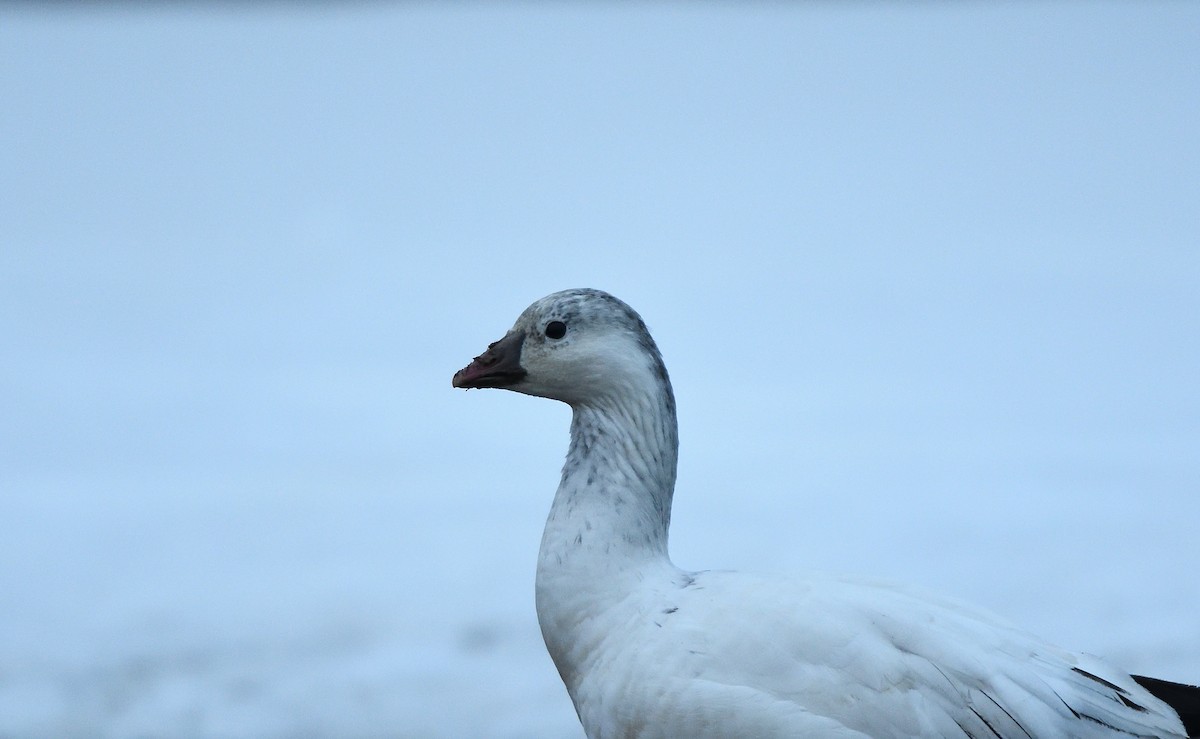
{"x": 925, "y": 275}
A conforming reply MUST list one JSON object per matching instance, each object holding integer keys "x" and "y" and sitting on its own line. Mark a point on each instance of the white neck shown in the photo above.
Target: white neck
{"x": 610, "y": 516}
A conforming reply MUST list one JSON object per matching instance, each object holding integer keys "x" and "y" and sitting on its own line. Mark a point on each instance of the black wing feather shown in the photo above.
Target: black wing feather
{"x": 1185, "y": 699}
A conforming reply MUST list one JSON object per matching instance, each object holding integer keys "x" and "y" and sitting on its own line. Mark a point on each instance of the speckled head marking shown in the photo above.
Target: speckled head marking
{"x": 574, "y": 345}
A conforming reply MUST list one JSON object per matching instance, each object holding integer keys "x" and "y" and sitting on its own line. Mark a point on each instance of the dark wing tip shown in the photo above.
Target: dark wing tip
{"x": 1185, "y": 699}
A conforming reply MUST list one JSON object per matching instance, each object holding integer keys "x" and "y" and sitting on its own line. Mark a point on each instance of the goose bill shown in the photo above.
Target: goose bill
{"x": 499, "y": 366}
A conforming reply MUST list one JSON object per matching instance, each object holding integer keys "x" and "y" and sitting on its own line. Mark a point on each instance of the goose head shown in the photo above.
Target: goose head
{"x": 577, "y": 346}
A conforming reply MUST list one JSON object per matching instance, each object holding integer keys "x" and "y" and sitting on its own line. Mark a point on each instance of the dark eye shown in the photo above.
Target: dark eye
{"x": 556, "y": 329}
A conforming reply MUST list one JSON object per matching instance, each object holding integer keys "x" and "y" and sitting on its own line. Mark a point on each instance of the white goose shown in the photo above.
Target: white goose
{"x": 648, "y": 650}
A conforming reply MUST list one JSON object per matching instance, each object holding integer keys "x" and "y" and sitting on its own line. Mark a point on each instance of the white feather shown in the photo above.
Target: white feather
{"x": 648, "y": 650}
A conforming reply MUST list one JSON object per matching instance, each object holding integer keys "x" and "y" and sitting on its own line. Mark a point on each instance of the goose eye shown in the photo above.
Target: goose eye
{"x": 556, "y": 329}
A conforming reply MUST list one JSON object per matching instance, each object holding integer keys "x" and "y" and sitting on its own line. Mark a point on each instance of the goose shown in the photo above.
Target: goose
{"x": 646, "y": 649}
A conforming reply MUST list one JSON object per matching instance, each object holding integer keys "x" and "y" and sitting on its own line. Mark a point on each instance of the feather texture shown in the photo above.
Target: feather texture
{"x": 648, "y": 650}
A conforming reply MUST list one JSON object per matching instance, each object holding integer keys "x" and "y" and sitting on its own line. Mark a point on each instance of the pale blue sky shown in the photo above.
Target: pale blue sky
{"x": 925, "y": 275}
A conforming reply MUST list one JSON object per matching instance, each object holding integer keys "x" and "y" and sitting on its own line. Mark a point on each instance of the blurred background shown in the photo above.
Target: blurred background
{"x": 926, "y": 276}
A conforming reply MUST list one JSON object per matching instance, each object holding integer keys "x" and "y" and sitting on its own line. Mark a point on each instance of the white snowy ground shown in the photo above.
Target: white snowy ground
{"x": 925, "y": 277}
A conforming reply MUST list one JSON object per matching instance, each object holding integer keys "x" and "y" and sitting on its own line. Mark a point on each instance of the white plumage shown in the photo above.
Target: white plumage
{"x": 648, "y": 650}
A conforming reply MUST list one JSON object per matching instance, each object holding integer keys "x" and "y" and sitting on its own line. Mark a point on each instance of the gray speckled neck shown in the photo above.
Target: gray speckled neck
{"x": 607, "y": 529}
{"x": 613, "y": 505}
